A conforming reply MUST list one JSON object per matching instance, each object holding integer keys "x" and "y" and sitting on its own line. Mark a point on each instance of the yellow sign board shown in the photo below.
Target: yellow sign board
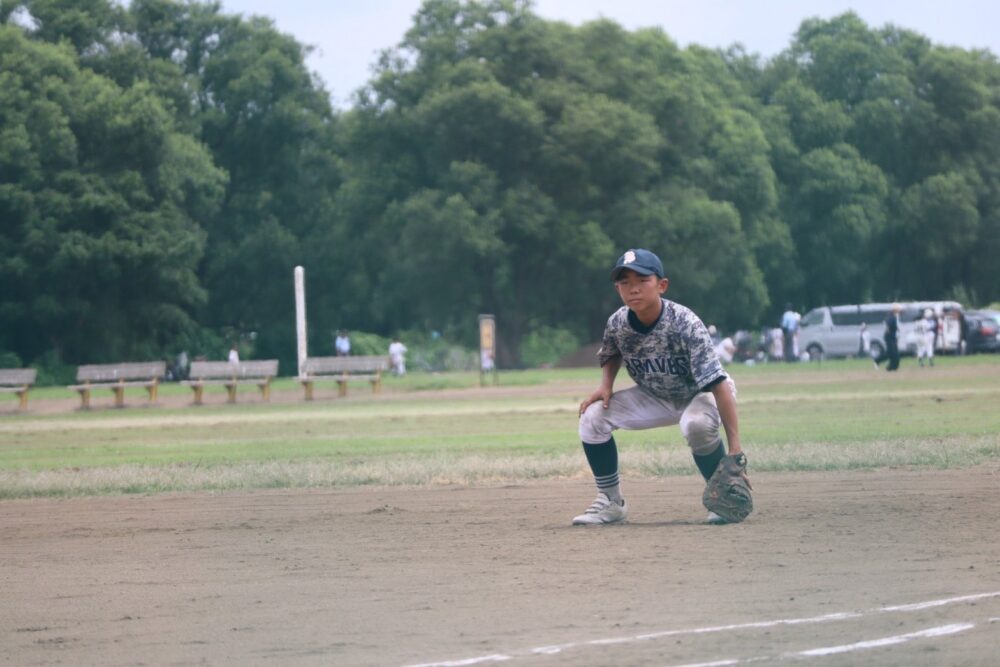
{"x": 487, "y": 346}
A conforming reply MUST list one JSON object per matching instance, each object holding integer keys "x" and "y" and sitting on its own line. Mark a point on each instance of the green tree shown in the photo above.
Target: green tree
{"x": 941, "y": 221}
{"x": 100, "y": 198}
{"x": 503, "y": 153}
{"x": 705, "y": 253}
{"x": 836, "y": 214}
{"x": 241, "y": 88}
{"x": 86, "y": 24}
{"x": 926, "y": 116}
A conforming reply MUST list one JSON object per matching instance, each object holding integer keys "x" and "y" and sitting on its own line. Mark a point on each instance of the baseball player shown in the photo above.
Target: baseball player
{"x": 668, "y": 353}
{"x": 397, "y": 357}
{"x": 925, "y": 330}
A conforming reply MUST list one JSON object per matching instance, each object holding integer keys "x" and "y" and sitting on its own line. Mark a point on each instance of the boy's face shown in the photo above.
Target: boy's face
{"x": 640, "y": 293}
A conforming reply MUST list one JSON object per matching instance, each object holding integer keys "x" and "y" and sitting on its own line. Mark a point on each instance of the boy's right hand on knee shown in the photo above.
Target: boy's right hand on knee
{"x": 602, "y": 394}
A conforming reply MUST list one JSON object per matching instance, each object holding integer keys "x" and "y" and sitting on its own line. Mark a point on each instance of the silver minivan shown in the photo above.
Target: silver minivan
{"x": 835, "y": 331}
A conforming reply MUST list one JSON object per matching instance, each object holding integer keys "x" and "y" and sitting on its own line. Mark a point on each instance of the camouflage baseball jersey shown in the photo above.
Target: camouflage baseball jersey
{"x": 673, "y": 360}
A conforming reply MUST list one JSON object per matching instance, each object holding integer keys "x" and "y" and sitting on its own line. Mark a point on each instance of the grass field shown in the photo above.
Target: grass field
{"x": 443, "y": 429}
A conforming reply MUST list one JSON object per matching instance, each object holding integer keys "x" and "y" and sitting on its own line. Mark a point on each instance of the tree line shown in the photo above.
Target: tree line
{"x": 164, "y": 165}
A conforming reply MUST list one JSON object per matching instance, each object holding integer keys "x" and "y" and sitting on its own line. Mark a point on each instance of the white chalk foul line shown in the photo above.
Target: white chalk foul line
{"x": 939, "y": 631}
{"x": 558, "y": 648}
{"x": 917, "y": 606}
{"x": 467, "y": 661}
{"x": 826, "y": 618}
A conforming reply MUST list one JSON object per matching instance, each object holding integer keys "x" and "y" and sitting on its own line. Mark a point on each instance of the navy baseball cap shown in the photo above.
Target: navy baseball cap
{"x": 641, "y": 261}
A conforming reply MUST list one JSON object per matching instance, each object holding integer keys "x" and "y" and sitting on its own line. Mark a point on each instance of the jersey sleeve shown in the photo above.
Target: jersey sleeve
{"x": 706, "y": 369}
{"x": 609, "y": 342}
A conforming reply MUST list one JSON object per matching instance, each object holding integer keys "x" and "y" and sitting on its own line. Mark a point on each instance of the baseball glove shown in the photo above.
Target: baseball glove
{"x": 728, "y": 490}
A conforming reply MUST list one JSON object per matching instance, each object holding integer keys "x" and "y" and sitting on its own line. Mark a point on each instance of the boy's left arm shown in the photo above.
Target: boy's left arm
{"x": 726, "y": 401}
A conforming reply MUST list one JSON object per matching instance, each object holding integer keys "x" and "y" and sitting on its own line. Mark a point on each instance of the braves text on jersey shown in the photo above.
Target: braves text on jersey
{"x": 674, "y": 359}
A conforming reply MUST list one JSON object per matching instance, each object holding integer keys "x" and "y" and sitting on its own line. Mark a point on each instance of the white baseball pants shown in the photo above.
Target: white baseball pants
{"x": 633, "y": 409}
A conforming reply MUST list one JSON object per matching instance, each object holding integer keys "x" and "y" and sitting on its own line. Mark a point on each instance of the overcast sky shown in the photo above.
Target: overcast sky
{"x": 348, "y": 34}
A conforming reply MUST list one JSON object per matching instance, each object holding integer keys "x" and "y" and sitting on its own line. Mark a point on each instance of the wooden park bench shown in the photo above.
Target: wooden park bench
{"x": 342, "y": 370}
{"x": 117, "y": 377}
{"x": 231, "y": 375}
{"x": 18, "y": 381}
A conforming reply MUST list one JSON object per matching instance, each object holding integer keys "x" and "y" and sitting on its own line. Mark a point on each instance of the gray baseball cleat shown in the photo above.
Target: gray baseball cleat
{"x": 602, "y": 511}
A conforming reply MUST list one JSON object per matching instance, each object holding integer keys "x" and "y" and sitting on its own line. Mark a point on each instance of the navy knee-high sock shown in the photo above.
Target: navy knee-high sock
{"x": 707, "y": 463}
{"x": 603, "y": 460}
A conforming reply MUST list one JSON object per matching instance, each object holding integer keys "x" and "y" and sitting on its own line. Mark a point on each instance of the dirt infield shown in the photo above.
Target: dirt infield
{"x": 888, "y": 567}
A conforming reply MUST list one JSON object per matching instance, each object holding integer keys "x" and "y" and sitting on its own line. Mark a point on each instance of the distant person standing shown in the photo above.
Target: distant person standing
{"x": 397, "y": 357}
{"x": 181, "y": 366}
{"x": 937, "y": 327}
{"x": 342, "y": 344}
{"x": 926, "y": 331}
{"x": 775, "y": 344}
{"x": 725, "y": 349}
{"x": 864, "y": 342}
{"x": 891, "y": 339}
{"x": 790, "y": 330}
{"x": 234, "y": 355}
{"x": 963, "y": 333}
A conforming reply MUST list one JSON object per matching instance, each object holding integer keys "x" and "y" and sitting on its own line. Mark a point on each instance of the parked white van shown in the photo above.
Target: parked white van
{"x": 835, "y": 331}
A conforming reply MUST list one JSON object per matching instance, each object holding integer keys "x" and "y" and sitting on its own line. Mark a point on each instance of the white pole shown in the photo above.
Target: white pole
{"x": 300, "y": 316}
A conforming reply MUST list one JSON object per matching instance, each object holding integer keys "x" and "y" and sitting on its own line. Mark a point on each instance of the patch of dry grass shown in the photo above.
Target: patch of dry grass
{"x": 792, "y": 417}
{"x": 457, "y": 468}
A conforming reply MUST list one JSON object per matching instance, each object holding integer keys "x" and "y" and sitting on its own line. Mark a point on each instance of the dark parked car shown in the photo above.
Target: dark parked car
{"x": 983, "y": 328}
